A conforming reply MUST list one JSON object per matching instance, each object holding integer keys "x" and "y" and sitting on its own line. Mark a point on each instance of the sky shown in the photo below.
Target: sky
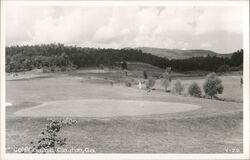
{"x": 219, "y": 29}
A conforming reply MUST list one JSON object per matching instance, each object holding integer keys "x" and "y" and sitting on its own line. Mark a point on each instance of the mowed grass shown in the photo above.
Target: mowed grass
{"x": 214, "y": 128}
{"x": 151, "y": 135}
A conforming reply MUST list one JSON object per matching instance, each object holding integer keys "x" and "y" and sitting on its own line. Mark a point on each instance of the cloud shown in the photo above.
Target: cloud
{"x": 206, "y": 45}
{"x": 118, "y": 27}
{"x": 220, "y": 19}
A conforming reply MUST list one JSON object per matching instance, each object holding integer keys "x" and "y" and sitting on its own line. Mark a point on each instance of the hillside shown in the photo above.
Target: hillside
{"x": 181, "y": 54}
{"x": 143, "y": 66}
{"x": 57, "y": 57}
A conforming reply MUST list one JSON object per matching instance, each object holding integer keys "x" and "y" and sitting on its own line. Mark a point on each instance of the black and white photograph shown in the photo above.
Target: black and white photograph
{"x": 124, "y": 79}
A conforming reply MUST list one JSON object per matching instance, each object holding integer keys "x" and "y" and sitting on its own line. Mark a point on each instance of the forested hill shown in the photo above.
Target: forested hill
{"x": 181, "y": 54}
{"x": 23, "y": 58}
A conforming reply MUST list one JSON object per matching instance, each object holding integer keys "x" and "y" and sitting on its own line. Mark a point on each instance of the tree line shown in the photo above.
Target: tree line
{"x": 23, "y": 58}
{"x": 208, "y": 63}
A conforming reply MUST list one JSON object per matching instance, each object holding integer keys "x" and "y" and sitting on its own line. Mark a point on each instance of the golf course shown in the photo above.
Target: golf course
{"x": 125, "y": 79}
{"x": 115, "y": 118}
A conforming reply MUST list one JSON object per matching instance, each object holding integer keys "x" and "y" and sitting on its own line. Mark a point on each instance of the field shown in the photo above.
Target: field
{"x": 120, "y": 119}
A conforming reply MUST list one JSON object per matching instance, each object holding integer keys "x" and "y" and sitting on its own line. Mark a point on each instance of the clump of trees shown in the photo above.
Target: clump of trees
{"x": 208, "y": 63}
{"x": 213, "y": 85}
{"x": 23, "y": 58}
{"x": 49, "y": 139}
{"x": 236, "y": 59}
{"x": 24, "y": 62}
{"x": 195, "y": 90}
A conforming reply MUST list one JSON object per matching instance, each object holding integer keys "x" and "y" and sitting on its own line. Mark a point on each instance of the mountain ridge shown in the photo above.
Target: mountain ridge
{"x": 181, "y": 54}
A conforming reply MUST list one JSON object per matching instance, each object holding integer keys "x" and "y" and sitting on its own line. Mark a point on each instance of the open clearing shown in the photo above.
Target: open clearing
{"x": 211, "y": 126}
{"x": 103, "y": 108}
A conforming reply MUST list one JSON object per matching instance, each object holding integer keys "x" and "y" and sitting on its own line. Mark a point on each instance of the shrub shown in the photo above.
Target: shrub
{"x": 223, "y": 68}
{"x": 111, "y": 83}
{"x": 101, "y": 67}
{"x": 239, "y": 68}
{"x": 194, "y": 90}
{"x": 178, "y": 87}
{"x": 241, "y": 82}
{"x": 213, "y": 85}
{"x": 150, "y": 83}
{"x": 126, "y": 73}
{"x": 124, "y": 65}
{"x": 128, "y": 82}
{"x": 49, "y": 138}
{"x": 145, "y": 74}
{"x": 168, "y": 69}
{"x": 166, "y": 80}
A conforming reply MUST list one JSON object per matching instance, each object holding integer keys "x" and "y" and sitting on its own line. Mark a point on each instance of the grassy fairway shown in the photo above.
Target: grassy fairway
{"x": 213, "y": 128}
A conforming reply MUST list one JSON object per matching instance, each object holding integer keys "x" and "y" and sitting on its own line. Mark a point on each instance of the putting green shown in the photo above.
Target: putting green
{"x": 103, "y": 108}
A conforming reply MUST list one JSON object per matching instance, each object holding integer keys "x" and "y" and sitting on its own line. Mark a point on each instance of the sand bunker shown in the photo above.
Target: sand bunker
{"x": 103, "y": 108}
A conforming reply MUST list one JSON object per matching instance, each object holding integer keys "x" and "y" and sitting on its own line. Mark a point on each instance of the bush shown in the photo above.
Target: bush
{"x": 166, "y": 81}
{"x": 128, "y": 82}
{"x": 178, "y": 87}
{"x": 239, "y": 68}
{"x": 50, "y": 138}
{"x": 101, "y": 67}
{"x": 223, "y": 68}
{"x": 150, "y": 83}
{"x": 194, "y": 90}
{"x": 124, "y": 65}
{"x": 145, "y": 74}
{"x": 213, "y": 85}
{"x": 111, "y": 83}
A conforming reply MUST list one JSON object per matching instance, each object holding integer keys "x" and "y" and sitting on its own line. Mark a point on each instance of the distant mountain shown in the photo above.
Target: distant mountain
{"x": 180, "y": 54}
